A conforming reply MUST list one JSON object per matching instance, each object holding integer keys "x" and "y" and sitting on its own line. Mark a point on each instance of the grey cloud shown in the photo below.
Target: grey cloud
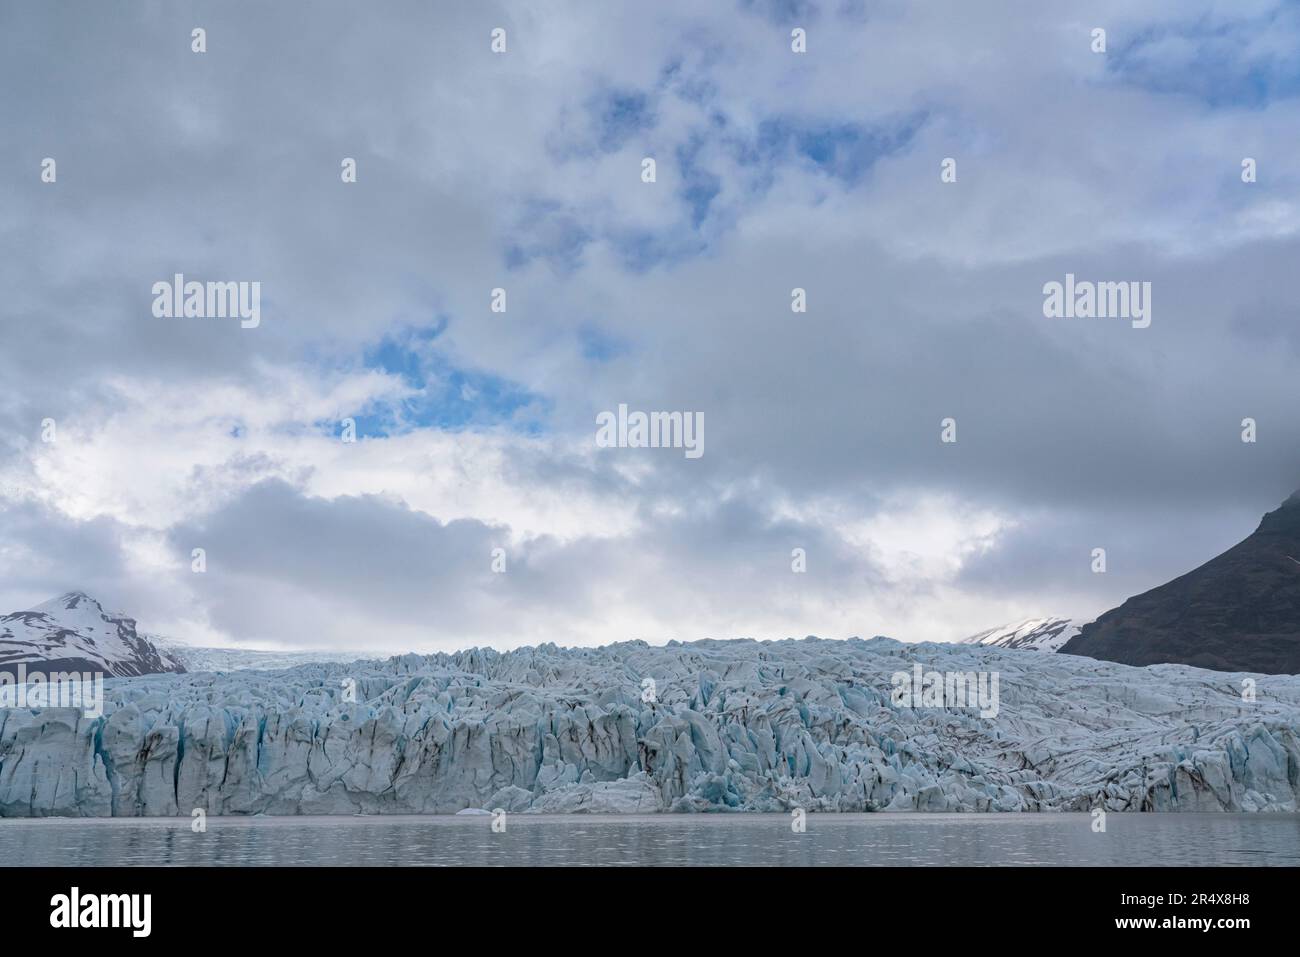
{"x": 282, "y": 565}
{"x": 44, "y": 553}
{"x": 925, "y": 300}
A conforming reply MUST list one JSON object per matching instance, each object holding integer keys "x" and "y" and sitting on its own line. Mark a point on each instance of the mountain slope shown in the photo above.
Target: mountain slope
{"x": 74, "y": 633}
{"x": 1032, "y": 634}
{"x": 1237, "y": 612}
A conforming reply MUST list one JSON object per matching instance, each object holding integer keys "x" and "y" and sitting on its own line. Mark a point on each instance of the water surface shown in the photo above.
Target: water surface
{"x": 666, "y": 840}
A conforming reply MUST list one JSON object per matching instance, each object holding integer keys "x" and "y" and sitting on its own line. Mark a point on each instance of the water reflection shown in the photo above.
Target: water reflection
{"x": 669, "y": 840}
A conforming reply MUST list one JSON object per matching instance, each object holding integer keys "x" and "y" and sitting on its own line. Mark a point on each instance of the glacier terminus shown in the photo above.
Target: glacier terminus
{"x": 732, "y": 726}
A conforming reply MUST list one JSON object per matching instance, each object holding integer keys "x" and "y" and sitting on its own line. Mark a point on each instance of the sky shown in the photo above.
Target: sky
{"x": 477, "y": 506}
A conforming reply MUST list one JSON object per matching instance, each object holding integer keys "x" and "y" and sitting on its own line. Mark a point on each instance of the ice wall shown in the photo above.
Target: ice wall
{"x": 734, "y": 726}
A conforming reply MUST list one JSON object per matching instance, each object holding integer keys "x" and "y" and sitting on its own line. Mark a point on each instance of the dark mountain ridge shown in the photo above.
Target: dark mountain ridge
{"x": 1239, "y": 611}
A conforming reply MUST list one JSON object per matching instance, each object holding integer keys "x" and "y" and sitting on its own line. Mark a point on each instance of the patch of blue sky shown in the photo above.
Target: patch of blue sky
{"x": 792, "y": 12}
{"x": 699, "y": 186}
{"x": 691, "y": 84}
{"x": 842, "y": 150}
{"x": 600, "y": 346}
{"x": 640, "y": 250}
{"x": 442, "y": 395}
{"x": 617, "y": 115}
{"x": 548, "y": 231}
{"x": 1223, "y": 65}
{"x": 606, "y": 120}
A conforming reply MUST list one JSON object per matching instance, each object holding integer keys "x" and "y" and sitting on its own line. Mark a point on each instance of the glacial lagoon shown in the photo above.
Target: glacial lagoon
{"x": 669, "y": 840}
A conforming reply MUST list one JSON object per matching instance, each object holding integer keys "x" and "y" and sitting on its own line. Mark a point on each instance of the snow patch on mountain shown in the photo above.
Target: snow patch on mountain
{"x": 629, "y": 728}
{"x": 1032, "y": 634}
{"x": 74, "y": 633}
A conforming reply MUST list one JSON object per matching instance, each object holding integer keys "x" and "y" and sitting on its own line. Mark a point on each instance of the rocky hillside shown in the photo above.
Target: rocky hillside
{"x": 1237, "y": 612}
{"x": 74, "y": 633}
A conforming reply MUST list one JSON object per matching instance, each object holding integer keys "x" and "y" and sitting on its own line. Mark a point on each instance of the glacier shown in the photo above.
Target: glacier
{"x": 201, "y": 658}
{"x": 714, "y": 725}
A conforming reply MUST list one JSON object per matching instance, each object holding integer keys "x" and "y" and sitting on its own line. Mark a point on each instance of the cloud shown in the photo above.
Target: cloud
{"x": 45, "y": 552}
{"x": 370, "y": 573}
{"x": 521, "y": 171}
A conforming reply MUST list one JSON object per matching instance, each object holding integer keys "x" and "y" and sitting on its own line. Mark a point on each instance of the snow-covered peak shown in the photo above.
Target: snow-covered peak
{"x": 74, "y": 633}
{"x": 72, "y": 607}
{"x": 1032, "y": 634}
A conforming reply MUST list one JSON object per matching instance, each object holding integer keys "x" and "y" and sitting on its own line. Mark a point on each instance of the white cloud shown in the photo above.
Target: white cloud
{"x": 923, "y": 302}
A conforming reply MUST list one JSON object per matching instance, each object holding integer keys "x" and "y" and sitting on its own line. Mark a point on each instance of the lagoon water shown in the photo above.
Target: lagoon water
{"x": 665, "y": 840}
